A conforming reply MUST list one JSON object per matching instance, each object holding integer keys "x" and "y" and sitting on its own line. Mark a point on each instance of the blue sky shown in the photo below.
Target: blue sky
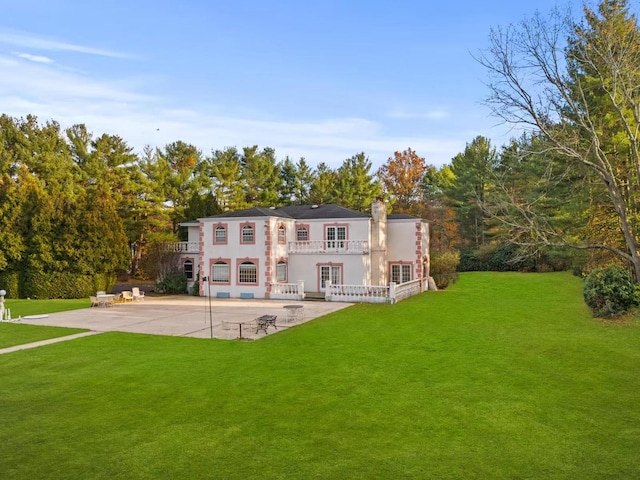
{"x": 322, "y": 80}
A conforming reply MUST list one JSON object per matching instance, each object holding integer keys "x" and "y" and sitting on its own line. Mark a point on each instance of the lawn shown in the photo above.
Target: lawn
{"x": 501, "y": 376}
{"x": 17, "y": 334}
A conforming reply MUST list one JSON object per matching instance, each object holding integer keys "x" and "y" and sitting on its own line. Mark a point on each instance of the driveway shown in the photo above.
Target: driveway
{"x": 186, "y": 316}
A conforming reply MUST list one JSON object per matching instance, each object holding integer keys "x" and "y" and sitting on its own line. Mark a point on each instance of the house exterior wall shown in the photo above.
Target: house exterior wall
{"x": 407, "y": 243}
{"x": 376, "y": 243}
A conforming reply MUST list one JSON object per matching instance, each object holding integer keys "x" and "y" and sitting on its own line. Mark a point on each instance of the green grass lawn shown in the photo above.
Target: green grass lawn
{"x": 501, "y": 376}
{"x": 17, "y": 334}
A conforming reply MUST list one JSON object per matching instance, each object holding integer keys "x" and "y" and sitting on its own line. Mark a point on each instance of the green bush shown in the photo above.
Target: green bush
{"x": 10, "y": 282}
{"x": 610, "y": 291}
{"x": 444, "y": 267}
{"x": 66, "y": 285}
{"x": 173, "y": 282}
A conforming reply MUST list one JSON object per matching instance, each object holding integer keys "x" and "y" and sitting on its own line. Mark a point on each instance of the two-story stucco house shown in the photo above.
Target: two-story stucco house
{"x": 255, "y": 253}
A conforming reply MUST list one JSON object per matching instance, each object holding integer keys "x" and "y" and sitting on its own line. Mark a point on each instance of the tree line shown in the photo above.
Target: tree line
{"x": 75, "y": 205}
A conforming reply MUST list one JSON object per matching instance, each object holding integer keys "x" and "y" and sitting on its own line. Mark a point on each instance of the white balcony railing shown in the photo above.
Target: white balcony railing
{"x": 182, "y": 247}
{"x": 330, "y": 246}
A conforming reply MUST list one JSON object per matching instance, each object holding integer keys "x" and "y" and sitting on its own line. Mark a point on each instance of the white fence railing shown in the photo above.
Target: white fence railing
{"x": 182, "y": 247}
{"x": 409, "y": 289}
{"x": 287, "y": 291}
{"x": 330, "y": 246}
{"x": 374, "y": 294}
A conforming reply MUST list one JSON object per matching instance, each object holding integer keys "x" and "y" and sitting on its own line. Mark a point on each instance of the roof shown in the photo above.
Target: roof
{"x": 298, "y": 212}
{"x": 401, "y": 216}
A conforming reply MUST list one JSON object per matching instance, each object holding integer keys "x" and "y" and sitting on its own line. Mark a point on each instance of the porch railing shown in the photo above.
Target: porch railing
{"x": 287, "y": 291}
{"x": 329, "y": 246}
{"x": 374, "y": 294}
{"x": 182, "y": 247}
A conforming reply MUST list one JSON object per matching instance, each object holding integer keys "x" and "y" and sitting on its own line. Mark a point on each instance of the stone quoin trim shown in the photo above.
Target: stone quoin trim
{"x": 268, "y": 256}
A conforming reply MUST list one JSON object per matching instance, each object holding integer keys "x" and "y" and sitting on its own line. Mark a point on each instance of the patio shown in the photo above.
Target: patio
{"x": 184, "y": 316}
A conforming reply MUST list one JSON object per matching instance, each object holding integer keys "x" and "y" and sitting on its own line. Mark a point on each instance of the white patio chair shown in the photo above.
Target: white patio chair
{"x": 137, "y": 294}
{"x": 94, "y": 301}
{"x": 127, "y": 296}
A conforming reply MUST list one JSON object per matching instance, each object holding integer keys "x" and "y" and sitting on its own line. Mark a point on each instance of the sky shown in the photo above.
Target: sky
{"x": 323, "y": 79}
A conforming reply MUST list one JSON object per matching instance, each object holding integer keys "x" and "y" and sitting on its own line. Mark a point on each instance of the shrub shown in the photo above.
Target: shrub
{"x": 9, "y": 281}
{"x": 173, "y": 282}
{"x": 610, "y": 291}
{"x": 444, "y": 267}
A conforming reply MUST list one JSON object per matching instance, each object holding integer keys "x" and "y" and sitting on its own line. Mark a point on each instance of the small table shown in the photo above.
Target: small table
{"x": 105, "y": 299}
{"x": 294, "y": 312}
{"x": 237, "y": 322}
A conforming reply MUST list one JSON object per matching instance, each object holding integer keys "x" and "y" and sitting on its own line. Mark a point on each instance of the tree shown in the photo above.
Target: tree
{"x": 261, "y": 174}
{"x": 577, "y": 85}
{"x": 472, "y": 176}
{"x": 228, "y": 186}
{"x": 357, "y": 188}
{"x": 323, "y": 186}
{"x": 402, "y": 178}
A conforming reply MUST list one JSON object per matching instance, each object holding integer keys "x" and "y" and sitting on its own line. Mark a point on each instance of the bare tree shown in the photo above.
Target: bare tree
{"x": 576, "y": 84}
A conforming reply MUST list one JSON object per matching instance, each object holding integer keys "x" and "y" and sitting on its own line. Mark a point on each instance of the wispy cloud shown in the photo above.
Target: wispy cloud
{"x": 33, "y": 58}
{"x": 434, "y": 114}
{"x": 122, "y": 107}
{"x": 36, "y": 42}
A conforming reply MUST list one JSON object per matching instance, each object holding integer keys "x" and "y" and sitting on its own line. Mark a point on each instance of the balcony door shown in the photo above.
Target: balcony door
{"x": 336, "y": 238}
{"x": 331, "y": 273}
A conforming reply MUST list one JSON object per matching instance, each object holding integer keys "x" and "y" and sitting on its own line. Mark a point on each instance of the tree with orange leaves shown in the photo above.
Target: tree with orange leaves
{"x": 402, "y": 178}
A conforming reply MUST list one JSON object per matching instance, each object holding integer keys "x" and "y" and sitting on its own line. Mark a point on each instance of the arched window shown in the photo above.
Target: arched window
{"x": 281, "y": 271}
{"x": 302, "y": 234}
{"x": 220, "y": 272}
{"x": 220, "y": 234}
{"x": 247, "y": 234}
{"x": 187, "y": 267}
{"x": 248, "y": 273}
{"x": 282, "y": 234}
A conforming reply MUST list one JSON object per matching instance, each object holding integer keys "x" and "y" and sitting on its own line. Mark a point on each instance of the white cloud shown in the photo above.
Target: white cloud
{"x": 434, "y": 114}
{"x": 33, "y": 58}
{"x": 118, "y": 107}
{"x": 28, "y": 40}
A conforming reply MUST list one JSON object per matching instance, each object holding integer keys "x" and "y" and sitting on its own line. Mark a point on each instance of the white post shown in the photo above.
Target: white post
{"x": 2, "y": 294}
{"x": 392, "y": 292}
{"x": 301, "y": 289}
{"x": 327, "y": 292}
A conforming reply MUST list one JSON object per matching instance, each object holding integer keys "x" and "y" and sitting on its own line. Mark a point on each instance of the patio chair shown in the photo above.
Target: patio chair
{"x": 94, "y": 301}
{"x": 137, "y": 294}
{"x": 127, "y": 296}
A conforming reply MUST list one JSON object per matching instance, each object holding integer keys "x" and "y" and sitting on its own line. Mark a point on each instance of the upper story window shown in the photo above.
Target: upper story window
{"x": 336, "y": 237}
{"x": 187, "y": 267}
{"x": 220, "y": 234}
{"x": 247, "y": 233}
{"x": 302, "y": 234}
{"x": 282, "y": 234}
{"x": 400, "y": 273}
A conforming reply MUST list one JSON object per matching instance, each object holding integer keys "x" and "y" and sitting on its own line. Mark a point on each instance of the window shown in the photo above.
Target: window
{"x": 220, "y": 235}
{"x": 336, "y": 237}
{"x": 220, "y": 272}
{"x": 282, "y": 234}
{"x": 400, "y": 273}
{"x": 302, "y": 234}
{"x": 187, "y": 267}
{"x": 281, "y": 271}
{"x": 248, "y": 273}
{"x": 247, "y": 234}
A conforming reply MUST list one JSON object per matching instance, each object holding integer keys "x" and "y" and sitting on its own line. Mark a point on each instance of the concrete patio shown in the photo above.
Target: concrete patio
{"x": 185, "y": 316}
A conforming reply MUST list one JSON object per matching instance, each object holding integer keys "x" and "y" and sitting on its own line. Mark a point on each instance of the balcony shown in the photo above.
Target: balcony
{"x": 340, "y": 247}
{"x": 182, "y": 247}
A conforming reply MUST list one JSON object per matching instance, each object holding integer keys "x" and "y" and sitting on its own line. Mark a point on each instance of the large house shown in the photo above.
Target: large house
{"x": 293, "y": 251}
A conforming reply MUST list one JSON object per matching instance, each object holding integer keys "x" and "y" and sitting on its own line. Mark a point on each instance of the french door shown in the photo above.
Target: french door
{"x": 331, "y": 273}
{"x": 336, "y": 238}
